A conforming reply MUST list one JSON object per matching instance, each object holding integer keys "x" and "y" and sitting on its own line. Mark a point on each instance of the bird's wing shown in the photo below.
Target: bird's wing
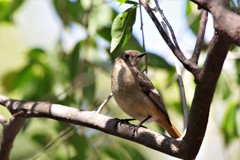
{"x": 148, "y": 88}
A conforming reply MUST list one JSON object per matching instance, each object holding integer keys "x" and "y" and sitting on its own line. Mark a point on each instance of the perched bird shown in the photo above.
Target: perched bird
{"x": 135, "y": 93}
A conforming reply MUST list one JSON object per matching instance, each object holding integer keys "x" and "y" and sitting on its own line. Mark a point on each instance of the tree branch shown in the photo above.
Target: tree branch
{"x": 222, "y": 22}
{"x": 176, "y": 51}
{"x": 201, "y": 3}
{"x": 168, "y": 25}
{"x": 89, "y": 119}
{"x": 207, "y": 77}
{"x": 143, "y": 39}
{"x": 200, "y": 37}
{"x": 10, "y": 131}
{"x": 199, "y": 113}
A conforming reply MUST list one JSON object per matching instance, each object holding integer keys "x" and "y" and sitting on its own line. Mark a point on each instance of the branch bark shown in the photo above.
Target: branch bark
{"x": 226, "y": 33}
{"x": 93, "y": 120}
{"x": 193, "y": 68}
{"x": 199, "y": 113}
{"x": 10, "y": 132}
{"x": 200, "y": 37}
{"x": 223, "y": 18}
{"x": 208, "y": 76}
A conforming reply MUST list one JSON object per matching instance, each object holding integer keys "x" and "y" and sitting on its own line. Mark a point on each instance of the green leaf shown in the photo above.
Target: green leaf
{"x": 237, "y": 65}
{"x": 193, "y": 18}
{"x": 229, "y": 125}
{"x": 88, "y": 79}
{"x": 7, "y": 9}
{"x": 122, "y": 1}
{"x": 122, "y": 28}
{"x": 69, "y": 11}
{"x": 105, "y": 33}
{"x": 157, "y": 61}
{"x": 41, "y": 138}
{"x": 74, "y": 61}
{"x": 127, "y": 2}
{"x": 80, "y": 145}
{"x": 35, "y": 79}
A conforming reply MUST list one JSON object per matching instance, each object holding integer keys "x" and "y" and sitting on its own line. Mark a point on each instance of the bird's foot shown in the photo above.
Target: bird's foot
{"x": 135, "y": 129}
{"x": 122, "y": 121}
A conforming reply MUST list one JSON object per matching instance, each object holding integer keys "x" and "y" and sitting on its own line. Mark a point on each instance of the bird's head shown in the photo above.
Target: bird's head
{"x": 132, "y": 58}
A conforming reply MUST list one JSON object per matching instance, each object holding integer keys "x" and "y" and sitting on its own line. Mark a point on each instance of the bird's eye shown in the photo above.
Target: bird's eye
{"x": 126, "y": 56}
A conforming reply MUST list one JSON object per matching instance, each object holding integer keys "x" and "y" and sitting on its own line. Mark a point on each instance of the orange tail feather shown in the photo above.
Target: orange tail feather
{"x": 171, "y": 129}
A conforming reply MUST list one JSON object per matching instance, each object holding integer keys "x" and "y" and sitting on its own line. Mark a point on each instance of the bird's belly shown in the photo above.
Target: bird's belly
{"x": 136, "y": 104}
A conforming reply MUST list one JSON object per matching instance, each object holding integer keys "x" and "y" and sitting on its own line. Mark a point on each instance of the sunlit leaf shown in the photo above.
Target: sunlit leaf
{"x": 223, "y": 88}
{"x": 127, "y": 2}
{"x": 193, "y": 18}
{"x": 229, "y": 125}
{"x": 122, "y": 28}
{"x": 35, "y": 78}
{"x": 8, "y": 8}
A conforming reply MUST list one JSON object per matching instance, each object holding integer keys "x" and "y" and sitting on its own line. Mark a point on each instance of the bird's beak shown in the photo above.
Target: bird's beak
{"x": 141, "y": 55}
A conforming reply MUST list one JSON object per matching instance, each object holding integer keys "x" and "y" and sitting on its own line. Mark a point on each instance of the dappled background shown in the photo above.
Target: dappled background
{"x": 59, "y": 51}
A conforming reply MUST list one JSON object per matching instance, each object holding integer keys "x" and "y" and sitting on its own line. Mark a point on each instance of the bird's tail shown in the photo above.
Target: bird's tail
{"x": 171, "y": 129}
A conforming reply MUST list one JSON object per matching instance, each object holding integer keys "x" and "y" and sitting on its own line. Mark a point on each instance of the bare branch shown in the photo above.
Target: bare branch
{"x": 201, "y": 4}
{"x": 199, "y": 113}
{"x": 143, "y": 39}
{"x": 183, "y": 97}
{"x": 176, "y": 51}
{"x": 168, "y": 25}
{"x": 200, "y": 37}
{"x": 181, "y": 87}
{"x": 104, "y": 103}
{"x": 89, "y": 119}
{"x": 222, "y": 22}
{"x": 10, "y": 131}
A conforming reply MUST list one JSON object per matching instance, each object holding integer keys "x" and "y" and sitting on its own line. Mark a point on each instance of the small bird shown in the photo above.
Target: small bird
{"x": 135, "y": 93}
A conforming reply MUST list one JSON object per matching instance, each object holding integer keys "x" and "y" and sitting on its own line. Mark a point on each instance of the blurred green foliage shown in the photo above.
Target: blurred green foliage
{"x": 73, "y": 78}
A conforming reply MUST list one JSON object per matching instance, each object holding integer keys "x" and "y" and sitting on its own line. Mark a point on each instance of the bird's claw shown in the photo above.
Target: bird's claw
{"x": 135, "y": 129}
{"x": 122, "y": 121}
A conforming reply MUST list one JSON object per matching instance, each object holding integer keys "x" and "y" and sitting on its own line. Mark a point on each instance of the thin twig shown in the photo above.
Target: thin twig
{"x": 56, "y": 141}
{"x": 176, "y": 51}
{"x": 10, "y": 131}
{"x": 168, "y": 24}
{"x": 104, "y": 103}
{"x": 181, "y": 87}
{"x": 143, "y": 39}
{"x": 183, "y": 97}
{"x": 200, "y": 37}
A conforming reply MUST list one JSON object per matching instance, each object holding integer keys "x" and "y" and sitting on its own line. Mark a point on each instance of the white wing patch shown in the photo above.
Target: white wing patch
{"x": 154, "y": 90}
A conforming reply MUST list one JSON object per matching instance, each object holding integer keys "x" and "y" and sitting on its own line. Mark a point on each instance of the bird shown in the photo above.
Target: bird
{"x": 135, "y": 94}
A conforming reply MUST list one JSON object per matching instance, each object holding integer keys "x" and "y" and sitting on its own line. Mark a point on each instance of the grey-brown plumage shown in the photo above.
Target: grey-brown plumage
{"x": 135, "y": 93}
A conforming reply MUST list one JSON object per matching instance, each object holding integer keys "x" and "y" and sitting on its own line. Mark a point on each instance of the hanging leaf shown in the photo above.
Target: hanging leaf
{"x": 122, "y": 28}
